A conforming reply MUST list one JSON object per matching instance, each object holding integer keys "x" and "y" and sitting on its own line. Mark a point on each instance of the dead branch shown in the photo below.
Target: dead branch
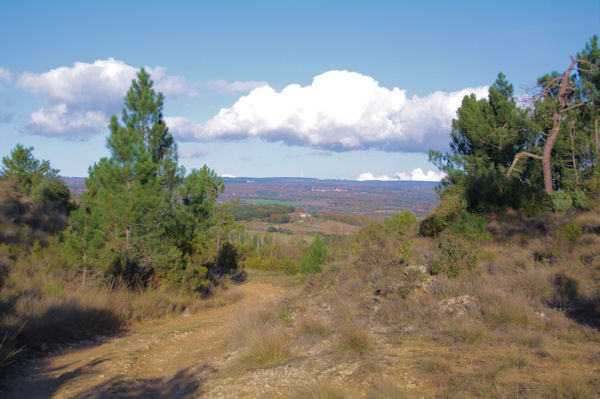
{"x": 519, "y": 156}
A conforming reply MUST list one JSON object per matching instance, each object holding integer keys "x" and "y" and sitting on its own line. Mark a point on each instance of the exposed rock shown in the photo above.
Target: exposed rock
{"x": 541, "y": 315}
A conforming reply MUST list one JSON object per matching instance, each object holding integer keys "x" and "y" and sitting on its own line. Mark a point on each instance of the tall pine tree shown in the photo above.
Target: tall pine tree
{"x": 130, "y": 192}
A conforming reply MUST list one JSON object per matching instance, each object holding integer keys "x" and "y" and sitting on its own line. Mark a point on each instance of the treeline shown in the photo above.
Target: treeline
{"x": 534, "y": 155}
{"x": 34, "y": 206}
{"x": 273, "y": 213}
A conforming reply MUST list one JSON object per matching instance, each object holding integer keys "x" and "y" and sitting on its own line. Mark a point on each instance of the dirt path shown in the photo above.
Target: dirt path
{"x": 175, "y": 357}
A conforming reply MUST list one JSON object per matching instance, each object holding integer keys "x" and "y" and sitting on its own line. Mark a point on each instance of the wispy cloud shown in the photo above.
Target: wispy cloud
{"x": 234, "y": 87}
{"x": 321, "y": 153}
{"x": 195, "y": 153}
{"x": 339, "y": 111}
{"x": 416, "y": 175}
{"x": 5, "y": 76}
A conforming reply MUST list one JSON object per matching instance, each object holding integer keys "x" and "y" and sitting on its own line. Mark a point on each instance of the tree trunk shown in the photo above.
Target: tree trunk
{"x": 572, "y": 128}
{"x": 128, "y": 265}
{"x": 84, "y": 257}
{"x": 597, "y": 141}
{"x": 546, "y": 154}
{"x": 562, "y": 98}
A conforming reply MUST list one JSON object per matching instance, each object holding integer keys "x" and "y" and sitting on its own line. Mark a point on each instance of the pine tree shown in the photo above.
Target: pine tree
{"x": 131, "y": 191}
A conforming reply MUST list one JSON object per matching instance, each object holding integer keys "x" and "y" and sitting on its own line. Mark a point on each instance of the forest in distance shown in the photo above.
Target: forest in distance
{"x": 486, "y": 284}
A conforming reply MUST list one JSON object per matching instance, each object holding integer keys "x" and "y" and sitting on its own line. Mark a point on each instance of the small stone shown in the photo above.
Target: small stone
{"x": 417, "y": 268}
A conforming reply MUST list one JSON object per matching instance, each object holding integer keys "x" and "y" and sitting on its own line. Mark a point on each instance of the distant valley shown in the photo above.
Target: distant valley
{"x": 378, "y": 199}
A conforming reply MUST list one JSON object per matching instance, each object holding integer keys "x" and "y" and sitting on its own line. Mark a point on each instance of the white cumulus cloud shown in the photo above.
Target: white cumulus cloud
{"x": 59, "y": 121}
{"x": 88, "y": 90}
{"x": 416, "y": 175}
{"x": 339, "y": 111}
{"x": 234, "y": 87}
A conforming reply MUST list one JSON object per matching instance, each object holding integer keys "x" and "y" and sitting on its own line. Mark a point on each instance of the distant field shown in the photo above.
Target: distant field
{"x": 271, "y": 202}
{"x": 357, "y": 198}
{"x": 329, "y": 227}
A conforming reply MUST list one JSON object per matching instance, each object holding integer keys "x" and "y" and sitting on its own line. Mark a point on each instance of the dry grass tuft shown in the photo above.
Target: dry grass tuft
{"x": 501, "y": 310}
{"x": 385, "y": 389}
{"x": 268, "y": 349}
{"x": 572, "y": 387}
{"x": 468, "y": 332}
{"x": 261, "y": 332}
{"x": 356, "y": 337}
{"x": 315, "y": 325}
{"x": 316, "y": 389}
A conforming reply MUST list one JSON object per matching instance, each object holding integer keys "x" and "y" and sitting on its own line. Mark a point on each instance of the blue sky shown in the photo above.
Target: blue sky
{"x": 318, "y": 89}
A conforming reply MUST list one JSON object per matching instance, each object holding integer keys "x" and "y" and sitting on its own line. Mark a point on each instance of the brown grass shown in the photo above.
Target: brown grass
{"x": 504, "y": 345}
{"x": 261, "y": 334}
{"x": 267, "y": 349}
{"x": 315, "y": 325}
{"x": 356, "y": 337}
{"x": 317, "y": 389}
{"x": 385, "y": 389}
{"x": 54, "y": 311}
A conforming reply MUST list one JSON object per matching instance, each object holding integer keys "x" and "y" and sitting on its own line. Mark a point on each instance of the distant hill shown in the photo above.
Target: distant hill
{"x": 379, "y": 199}
{"x": 75, "y": 184}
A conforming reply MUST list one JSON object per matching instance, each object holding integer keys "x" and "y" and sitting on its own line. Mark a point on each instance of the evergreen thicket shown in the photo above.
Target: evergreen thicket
{"x": 142, "y": 220}
{"x": 533, "y": 154}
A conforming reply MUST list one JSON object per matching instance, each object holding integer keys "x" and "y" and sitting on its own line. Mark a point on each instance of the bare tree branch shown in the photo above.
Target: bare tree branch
{"x": 519, "y": 156}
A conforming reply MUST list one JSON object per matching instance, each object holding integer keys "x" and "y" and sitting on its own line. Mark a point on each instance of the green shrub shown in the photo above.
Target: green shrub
{"x": 454, "y": 255}
{"x": 228, "y": 257}
{"x": 489, "y": 191}
{"x": 561, "y": 201}
{"x": 430, "y": 227}
{"x": 593, "y": 187}
{"x": 534, "y": 202}
{"x": 400, "y": 224}
{"x": 195, "y": 278}
{"x": 54, "y": 290}
{"x": 571, "y": 231}
{"x": 472, "y": 227}
{"x": 453, "y": 203}
{"x": 314, "y": 257}
{"x": 580, "y": 199}
{"x": 404, "y": 252}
